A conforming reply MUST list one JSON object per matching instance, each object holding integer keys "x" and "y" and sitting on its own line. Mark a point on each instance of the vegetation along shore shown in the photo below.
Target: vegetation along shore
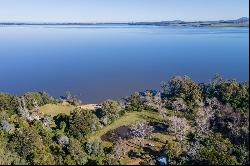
{"x": 183, "y": 123}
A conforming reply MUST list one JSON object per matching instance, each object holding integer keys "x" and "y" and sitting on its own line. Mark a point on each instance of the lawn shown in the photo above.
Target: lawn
{"x": 55, "y": 109}
{"x": 158, "y": 139}
{"x": 127, "y": 119}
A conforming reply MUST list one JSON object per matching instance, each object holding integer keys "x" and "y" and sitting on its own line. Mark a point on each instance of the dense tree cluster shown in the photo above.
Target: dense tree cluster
{"x": 11, "y": 102}
{"x": 209, "y": 123}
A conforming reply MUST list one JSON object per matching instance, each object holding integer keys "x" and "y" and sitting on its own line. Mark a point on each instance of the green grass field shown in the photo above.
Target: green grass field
{"x": 55, "y": 109}
{"x": 158, "y": 139}
{"x": 127, "y": 119}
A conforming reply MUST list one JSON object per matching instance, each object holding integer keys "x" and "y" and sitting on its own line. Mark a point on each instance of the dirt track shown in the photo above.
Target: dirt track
{"x": 90, "y": 106}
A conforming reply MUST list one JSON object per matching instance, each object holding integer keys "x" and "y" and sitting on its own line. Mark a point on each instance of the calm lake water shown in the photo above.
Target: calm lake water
{"x": 102, "y": 62}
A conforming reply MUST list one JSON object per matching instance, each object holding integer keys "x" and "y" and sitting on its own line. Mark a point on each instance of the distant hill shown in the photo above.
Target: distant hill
{"x": 241, "y": 22}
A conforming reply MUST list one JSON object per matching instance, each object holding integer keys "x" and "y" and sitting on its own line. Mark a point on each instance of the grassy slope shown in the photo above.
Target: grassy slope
{"x": 127, "y": 119}
{"x": 157, "y": 138}
{"x": 55, "y": 109}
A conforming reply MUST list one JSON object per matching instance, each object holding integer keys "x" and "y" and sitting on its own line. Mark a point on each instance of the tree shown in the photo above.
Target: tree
{"x": 94, "y": 148}
{"x": 152, "y": 101}
{"x": 148, "y": 99}
{"x": 110, "y": 111}
{"x": 29, "y": 145}
{"x": 135, "y": 103}
{"x": 76, "y": 152}
{"x": 179, "y": 105}
{"x": 204, "y": 117}
{"x": 8, "y": 102}
{"x": 214, "y": 150}
{"x": 172, "y": 151}
{"x": 158, "y": 101}
{"x": 58, "y": 119}
{"x": 41, "y": 98}
{"x": 82, "y": 122}
{"x": 62, "y": 140}
{"x": 72, "y": 99}
{"x": 68, "y": 95}
{"x": 230, "y": 91}
{"x": 182, "y": 87}
{"x": 120, "y": 148}
{"x": 110, "y": 159}
{"x": 179, "y": 126}
{"x": 8, "y": 157}
{"x": 141, "y": 130}
{"x": 231, "y": 124}
{"x": 6, "y": 126}
{"x": 35, "y": 105}
{"x": 32, "y": 99}
{"x": 23, "y": 110}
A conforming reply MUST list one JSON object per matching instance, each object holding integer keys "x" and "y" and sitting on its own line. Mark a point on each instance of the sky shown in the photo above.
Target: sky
{"x": 120, "y": 10}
